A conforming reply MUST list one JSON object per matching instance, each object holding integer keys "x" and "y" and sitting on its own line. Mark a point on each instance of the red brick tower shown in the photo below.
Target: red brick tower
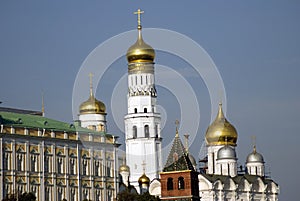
{"x": 179, "y": 180}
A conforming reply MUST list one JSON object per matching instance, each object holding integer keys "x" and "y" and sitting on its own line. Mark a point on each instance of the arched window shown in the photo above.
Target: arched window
{"x": 170, "y": 184}
{"x": 156, "y": 131}
{"x": 135, "y": 110}
{"x": 180, "y": 183}
{"x": 145, "y": 110}
{"x": 134, "y": 132}
{"x": 146, "y": 130}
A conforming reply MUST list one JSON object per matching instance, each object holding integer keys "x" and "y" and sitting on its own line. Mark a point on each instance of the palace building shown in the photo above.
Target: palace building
{"x": 58, "y": 161}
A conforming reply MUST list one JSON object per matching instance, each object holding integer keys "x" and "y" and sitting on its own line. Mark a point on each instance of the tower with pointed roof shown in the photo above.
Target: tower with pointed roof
{"x": 92, "y": 112}
{"x": 179, "y": 179}
{"x": 142, "y": 122}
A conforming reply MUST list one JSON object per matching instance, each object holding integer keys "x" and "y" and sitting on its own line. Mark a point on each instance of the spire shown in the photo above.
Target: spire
{"x": 91, "y": 84}
{"x": 43, "y": 105}
{"x": 144, "y": 167}
{"x": 177, "y": 123}
{"x": 220, "y": 112}
{"x": 187, "y": 142}
{"x": 253, "y": 137}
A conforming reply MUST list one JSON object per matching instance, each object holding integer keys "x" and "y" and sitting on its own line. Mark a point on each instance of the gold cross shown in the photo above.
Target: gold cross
{"x": 138, "y": 13}
{"x": 91, "y": 82}
{"x": 144, "y": 166}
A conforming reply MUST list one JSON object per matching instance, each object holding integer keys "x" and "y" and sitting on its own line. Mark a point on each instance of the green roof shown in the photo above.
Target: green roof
{"x": 40, "y": 122}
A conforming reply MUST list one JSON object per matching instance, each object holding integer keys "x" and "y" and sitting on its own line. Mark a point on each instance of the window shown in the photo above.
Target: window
{"x": 98, "y": 195}
{"x": 72, "y": 166}
{"x": 146, "y": 130}
{"x": 135, "y": 110}
{"x": 33, "y": 162}
{"x": 46, "y": 164}
{"x": 19, "y": 162}
{"x": 72, "y": 195}
{"x": 156, "y": 131}
{"x": 109, "y": 167}
{"x": 97, "y": 168}
{"x": 84, "y": 167}
{"x": 60, "y": 194}
{"x": 47, "y": 194}
{"x": 134, "y": 132}
{"x": 180, "y": 183}
{"x": 170, "y": 184}
{"x": 85, "y": 194}
{"x": 5, "y": 161}
{"x": 145, "y": 110}
{"x": 60, "y": 166}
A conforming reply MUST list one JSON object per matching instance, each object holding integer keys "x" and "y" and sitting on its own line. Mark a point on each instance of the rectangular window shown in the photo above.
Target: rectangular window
{"x": 33, "y": 162}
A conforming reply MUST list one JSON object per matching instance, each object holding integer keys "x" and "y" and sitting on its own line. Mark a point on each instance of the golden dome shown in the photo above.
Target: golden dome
{"x": 140, "y": 51}
{"x": 124, "y": 168}
{"x": 221, "y": 132}
{"x": 92, "y": 106}
{"x": 144, "y": 179}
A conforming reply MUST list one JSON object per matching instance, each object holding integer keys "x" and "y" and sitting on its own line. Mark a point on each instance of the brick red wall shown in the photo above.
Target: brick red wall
{"x": 190, "y": 184}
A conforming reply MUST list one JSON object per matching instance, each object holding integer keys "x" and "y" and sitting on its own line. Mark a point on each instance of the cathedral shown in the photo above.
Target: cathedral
{"x": 179, "y": 179}
{"x": 58, "y": 161}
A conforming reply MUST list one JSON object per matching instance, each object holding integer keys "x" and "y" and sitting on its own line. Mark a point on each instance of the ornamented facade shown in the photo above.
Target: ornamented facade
{"x": 56, "y": 160}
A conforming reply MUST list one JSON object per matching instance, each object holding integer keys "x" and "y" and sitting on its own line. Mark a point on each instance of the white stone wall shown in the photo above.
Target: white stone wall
{"x": 142, "y": 127}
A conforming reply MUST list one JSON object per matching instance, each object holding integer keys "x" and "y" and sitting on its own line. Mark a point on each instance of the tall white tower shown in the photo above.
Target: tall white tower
{"x": 142, "y": 122}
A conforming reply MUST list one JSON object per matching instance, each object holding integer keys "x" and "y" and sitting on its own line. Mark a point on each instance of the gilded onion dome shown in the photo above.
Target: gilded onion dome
{"x": 124, "y": 168}
{"x": 140, "y": 51}
{"x": 221, "y": 132}
{"x": 92, "y": 105}
{"x": 144, "y": 179}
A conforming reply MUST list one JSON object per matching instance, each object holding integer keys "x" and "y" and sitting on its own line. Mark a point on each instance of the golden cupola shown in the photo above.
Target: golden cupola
{"x": 92, "y": 105}
{"x": 221, "y": 132}
{"x": 144, "y": 179}
{"x": 140, "y": 51}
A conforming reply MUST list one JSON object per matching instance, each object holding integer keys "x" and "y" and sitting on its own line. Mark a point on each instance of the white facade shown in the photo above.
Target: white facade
{"x": 93, "y": 121}
{"x": 142, "y": 124}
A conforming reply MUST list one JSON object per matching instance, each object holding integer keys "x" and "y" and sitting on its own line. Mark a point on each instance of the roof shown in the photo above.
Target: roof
{"x": 40, "y": 122}
{"x": 178, "y": 159}
{"x": 250, "y": 178}
{"x": 21, "y": 111}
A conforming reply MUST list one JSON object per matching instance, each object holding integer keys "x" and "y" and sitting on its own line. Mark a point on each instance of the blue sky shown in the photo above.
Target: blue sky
{"x": 254, "y": 44}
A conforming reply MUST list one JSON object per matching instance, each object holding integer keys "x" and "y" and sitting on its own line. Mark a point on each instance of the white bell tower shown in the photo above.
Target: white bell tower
{"x": 142, "y": 122}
